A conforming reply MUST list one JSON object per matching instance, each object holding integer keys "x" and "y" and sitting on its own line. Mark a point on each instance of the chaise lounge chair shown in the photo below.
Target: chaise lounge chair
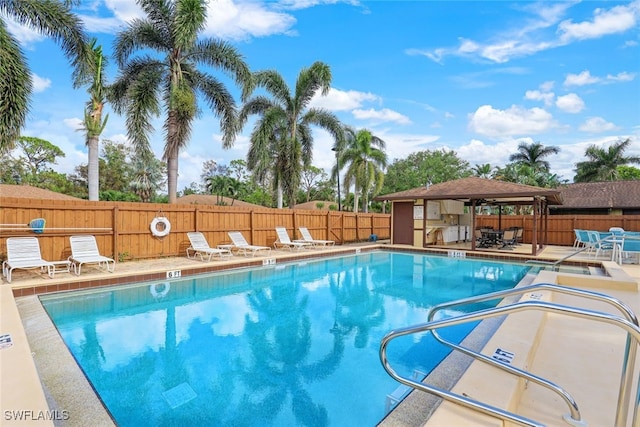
{"x": 84, "y": 250}
{"x": 306, "y": 237}
{"x": 24, "y": 253}
{"x": 200, "y": 247}
{"x": 284, "y": 241}
{"x": 242, "y": 246}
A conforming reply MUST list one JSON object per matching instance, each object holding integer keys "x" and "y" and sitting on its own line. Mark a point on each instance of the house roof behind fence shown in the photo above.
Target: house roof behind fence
{"x": 208, "y": 199}
{"x": 29, "y": 192}
{"x": 475, "y": 188}
{"x": 592, "y": 195}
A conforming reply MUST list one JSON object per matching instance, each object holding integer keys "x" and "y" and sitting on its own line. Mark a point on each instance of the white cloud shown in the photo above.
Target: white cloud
{"x": 40, "y": 84}
{"x": 73, "y": 123}
{"x": 384, "y": 115}
{"x": 25, "y": 35}
{"x": 582, "y": 79}
{"x": 621, "y": 77}
{"x": 515, "y": 120}
{"x": 227, "y": 19}
{"x": 615, "y": 20}
{"x": 339, "y": 100}
{"x": 237, "y": 20}
{"x": 570, "y": 103}
{"x": 597, "y": 125}
{"x": 536, "y": 95}
{"x": 530, "y": 35}
{"x": 477, "y": 152}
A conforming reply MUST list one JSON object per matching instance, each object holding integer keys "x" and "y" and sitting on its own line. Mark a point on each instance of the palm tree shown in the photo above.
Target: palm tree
{"x": 603, "y": 164}
{"x": 53, "y": 19}
{"x": 93, "y": 123}
{"x": 533, "y": 155}
{"x": 483, "y": 171}
{"x": 364, "y": 157}
{"x": 172, "y": 82}
{"x": 282, "y": 141}
{"x": 148, "y": 173}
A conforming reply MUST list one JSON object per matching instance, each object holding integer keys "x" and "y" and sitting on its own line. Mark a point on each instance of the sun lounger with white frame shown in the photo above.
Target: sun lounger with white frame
{"x": 200, "y": 247}
{"x": 284, "y": 241}
{"x": 242, "y": 246}
{"x": 24, "y": 253}
{"x": 306, "y": 237}
{"x": 84, "y": 250}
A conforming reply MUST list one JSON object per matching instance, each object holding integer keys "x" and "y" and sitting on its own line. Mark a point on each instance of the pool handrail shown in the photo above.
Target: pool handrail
{"x": 633, "y": 331}
{"x": 625, "y": 382}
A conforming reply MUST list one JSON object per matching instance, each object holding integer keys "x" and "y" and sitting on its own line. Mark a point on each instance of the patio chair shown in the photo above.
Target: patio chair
{"x": 284, "y": 241}
{"x": 241, "y": 244}
{"x": 582, "y": 238}
{"x": 630, "y": 245}
{"x": 200, "y": 247}
{"x": 508, "y": 239}
{"x": 598, "y": 241}
{"x": 84, "y": 250}
{"x": 24, "y": 253}
{"x": 306, "y": 237}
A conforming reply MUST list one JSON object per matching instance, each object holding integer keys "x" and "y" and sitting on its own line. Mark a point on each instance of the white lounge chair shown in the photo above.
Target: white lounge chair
{"x": 242, "y": 246}
{"x": 84, "y": 250}
{"x": 24, "y": 253}
{"x": 200, "y": 247}
{"x": 284, "y": 241}
{"x": 306, "y": 237}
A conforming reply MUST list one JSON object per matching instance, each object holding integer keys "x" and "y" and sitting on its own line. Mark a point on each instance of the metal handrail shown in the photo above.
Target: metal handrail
{"x": 632, "y": 330}
{"x": 627, "y": 372}
{"x": 556, "y": 263}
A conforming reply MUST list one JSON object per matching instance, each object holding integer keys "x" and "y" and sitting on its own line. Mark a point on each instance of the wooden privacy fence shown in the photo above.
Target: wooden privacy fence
{"x": 122, "y": 229}
{"x": 561, "y": 227}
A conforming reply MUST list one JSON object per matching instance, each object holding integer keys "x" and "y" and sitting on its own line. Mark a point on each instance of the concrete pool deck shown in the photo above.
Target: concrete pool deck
{"x": 38, "y": 373}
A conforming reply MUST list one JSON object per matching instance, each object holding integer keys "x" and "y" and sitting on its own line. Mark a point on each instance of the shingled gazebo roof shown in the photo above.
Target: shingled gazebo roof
{"x": 474, "y": 188}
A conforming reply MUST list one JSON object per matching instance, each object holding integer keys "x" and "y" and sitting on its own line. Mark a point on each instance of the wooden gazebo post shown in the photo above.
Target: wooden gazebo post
{"x": 473, "y": 224}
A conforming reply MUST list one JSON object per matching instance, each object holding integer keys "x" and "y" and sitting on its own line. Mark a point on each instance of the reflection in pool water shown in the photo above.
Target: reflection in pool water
{"x": 291, "y": 344}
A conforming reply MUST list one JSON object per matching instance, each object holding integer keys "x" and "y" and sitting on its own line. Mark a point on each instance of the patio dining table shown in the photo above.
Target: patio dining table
{"x": 490, "y": 238}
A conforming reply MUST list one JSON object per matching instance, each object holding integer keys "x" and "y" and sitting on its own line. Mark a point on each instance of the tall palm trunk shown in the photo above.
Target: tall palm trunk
{"x": 93, "y": 167}
{"x": 279, "y": 193}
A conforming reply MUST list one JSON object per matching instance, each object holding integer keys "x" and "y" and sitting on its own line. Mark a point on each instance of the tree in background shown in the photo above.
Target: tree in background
{"x": 533, "y": 155}
{"x": 424, "y": 167}
{"x": 309, "y": 179}
{"x": 55, "y": 20}
{"x": 602, "y": 165}
{"x": 93, "y": 123}
{"x": 147, "y": 85}
{"x": 281, "y": 140}
{"x": 521, "y": 173}
{"x": 365, "y": 159}
{"x": 628, "y": 173}
{"x": 483, "y": 171}
{"x": 148, "y": 176}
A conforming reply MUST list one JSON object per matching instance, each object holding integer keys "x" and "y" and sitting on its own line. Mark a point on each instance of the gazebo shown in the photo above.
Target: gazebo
{"x": 473, "y": 192}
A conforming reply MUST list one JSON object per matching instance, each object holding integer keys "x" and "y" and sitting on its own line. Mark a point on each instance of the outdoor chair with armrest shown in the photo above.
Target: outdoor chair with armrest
{"x": 200, "y": 247}
{"x": 84, "y": 250}
{"x": 24, "y": 253}
{"x": 284, "y": 241}
{"x": 242, "y": 246}
{"x": 306, "y": 237}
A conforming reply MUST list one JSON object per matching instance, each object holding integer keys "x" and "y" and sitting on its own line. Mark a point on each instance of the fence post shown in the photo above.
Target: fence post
{"x": 114, "y": 231}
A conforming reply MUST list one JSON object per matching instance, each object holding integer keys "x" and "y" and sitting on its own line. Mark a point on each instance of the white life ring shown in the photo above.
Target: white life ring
{"x": 163, "y": 230}
{"x": 160, "y": 290}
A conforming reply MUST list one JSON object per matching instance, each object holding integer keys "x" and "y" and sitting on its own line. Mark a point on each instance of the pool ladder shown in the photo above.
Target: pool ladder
{"x": 629, "y": 323}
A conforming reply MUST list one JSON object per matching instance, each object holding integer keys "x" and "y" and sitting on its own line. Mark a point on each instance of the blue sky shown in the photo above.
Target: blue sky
{"x": 476, "y": 77}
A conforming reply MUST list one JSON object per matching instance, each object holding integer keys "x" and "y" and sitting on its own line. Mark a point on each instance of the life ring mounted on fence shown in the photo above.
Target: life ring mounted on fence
{"x": 160, "y": 226}
{"x": 159, "y": 290}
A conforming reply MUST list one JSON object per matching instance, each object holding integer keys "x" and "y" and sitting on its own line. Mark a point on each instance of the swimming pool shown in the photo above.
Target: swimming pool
{"x": 290, "y": 344}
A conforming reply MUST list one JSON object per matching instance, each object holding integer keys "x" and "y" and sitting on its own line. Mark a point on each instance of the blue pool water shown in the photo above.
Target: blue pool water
{"x": 290, "y": 344}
